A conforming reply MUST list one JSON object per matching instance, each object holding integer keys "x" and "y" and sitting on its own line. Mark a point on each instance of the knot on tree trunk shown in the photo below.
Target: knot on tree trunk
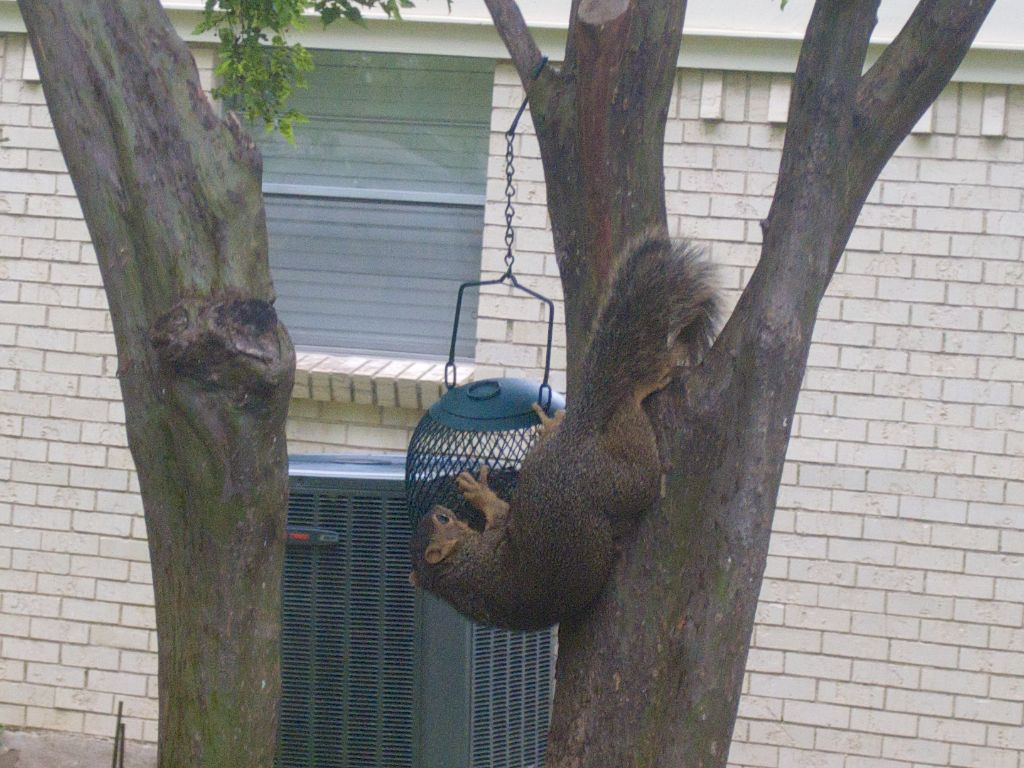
{"x": 227, "y": 343}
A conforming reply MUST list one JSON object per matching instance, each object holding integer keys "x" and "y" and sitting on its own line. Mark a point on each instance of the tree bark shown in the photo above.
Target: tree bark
{"x": 172, "y": 197}
{"x": 652, "y": 675}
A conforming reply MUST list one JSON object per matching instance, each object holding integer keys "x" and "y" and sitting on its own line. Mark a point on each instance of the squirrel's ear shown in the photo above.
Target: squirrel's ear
{"x": 437, "y": 552}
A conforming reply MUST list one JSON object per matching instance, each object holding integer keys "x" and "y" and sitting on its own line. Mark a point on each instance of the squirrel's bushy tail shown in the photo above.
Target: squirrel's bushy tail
{"x": 659, "y": 314}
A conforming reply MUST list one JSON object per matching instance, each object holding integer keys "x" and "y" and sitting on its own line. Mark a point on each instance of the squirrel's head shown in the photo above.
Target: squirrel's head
{"x": 446, "y": 534}
{"x": 438, "y": 537}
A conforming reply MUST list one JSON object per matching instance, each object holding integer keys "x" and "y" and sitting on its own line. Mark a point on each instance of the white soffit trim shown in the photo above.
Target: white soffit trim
{"x": 469, "y": 33}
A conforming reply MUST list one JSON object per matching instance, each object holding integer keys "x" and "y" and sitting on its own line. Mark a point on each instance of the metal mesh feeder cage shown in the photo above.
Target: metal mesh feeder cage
{"x": 487, "y": 423}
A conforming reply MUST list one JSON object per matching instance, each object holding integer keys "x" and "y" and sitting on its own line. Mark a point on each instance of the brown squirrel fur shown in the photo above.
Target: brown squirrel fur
{"x": 546, "y": 554}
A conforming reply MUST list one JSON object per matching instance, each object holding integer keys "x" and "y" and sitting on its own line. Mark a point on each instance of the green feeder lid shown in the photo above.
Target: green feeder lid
{"x": 492, "y": 405}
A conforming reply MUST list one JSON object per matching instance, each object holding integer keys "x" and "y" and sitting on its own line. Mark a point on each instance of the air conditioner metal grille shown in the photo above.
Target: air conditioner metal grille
{"x": 512, "y": 688}
{"x": 375, "y": 674}
{"x": 348, "y": 634}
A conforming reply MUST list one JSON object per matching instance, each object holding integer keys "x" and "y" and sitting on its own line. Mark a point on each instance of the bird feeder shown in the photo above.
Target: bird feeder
{"x": 488, "y": 423}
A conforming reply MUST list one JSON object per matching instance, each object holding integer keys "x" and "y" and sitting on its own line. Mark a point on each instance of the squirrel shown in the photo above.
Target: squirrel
{"x": 545, "y": 554}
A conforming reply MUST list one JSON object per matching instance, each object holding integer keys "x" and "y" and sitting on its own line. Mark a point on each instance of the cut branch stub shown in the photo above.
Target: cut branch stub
{"x": 598, "y": 12}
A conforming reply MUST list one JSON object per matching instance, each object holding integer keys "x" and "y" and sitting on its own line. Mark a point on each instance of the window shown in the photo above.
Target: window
{"x": 376, "y": 213}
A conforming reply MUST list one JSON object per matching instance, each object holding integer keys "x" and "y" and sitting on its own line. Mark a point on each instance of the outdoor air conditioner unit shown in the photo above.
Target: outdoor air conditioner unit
{"x": 376, "y": 674}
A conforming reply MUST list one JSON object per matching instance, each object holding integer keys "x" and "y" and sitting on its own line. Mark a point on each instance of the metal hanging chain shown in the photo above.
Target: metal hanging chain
{"x": 510, "y": 170}
{"x": 450, "y": 379}
{"x": 510, "y": 191}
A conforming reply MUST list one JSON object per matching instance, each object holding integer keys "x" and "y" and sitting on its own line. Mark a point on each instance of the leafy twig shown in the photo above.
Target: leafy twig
{"x": 257, "y": 67}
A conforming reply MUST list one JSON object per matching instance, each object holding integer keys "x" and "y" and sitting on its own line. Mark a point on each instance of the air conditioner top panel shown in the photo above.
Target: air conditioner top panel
{"x": 348, "y": 466}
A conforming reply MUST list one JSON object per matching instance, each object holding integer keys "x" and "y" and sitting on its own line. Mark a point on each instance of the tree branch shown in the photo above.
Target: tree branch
{"x": 910, "y": 74}
{"x": 821, "y": 120}
{"x": 912, "y": 71}
{"x": 813, "y": 178}
{"x": 843, "y": 127}
{"x": 511, "y": 26}
{"x": 607, "y": 129}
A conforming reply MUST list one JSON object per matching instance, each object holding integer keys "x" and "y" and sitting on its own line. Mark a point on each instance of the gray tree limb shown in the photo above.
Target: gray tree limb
{"x": 512, "y": 29}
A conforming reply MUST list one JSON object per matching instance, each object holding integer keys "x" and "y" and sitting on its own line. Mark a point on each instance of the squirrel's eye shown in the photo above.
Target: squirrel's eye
{"x": 442, "y": 519}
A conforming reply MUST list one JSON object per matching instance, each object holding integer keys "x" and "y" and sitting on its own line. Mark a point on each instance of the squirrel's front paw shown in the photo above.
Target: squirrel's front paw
{"x": 476, "y": 492}
{"x": 479, "y": 494}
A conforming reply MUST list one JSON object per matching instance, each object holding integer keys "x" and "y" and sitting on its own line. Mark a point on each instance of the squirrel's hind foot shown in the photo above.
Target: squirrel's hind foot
{"x": 642, "y": 391}
{"x": 548, "y": 424}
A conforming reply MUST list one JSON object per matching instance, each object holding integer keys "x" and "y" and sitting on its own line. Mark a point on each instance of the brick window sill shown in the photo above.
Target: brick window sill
{"x": 381, "y": 381}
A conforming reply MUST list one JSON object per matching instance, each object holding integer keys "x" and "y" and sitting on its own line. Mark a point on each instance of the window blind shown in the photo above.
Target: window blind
{"x": 375, "y": 213}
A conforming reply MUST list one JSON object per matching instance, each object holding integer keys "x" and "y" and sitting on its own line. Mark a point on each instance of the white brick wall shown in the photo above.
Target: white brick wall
{"x": 890, "y": 632}
{"x": 891, "y": 626}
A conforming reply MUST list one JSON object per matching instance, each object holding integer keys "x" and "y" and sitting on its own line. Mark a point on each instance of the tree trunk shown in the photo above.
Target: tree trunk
{"x": 172, "y": 197}
{"x": 652, "y": 675}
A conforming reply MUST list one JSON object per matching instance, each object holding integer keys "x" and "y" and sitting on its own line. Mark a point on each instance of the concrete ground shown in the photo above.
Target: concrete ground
{"x": 47, "y": 749}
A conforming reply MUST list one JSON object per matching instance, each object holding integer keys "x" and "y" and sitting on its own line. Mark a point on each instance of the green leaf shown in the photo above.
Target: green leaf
{"x": 257, "y": 68}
